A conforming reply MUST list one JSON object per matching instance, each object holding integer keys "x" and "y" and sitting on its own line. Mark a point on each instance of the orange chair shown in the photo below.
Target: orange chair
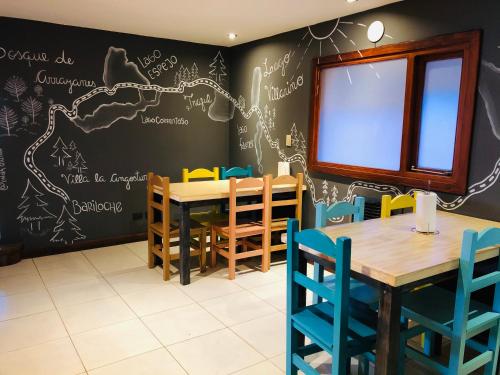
{"x": 161, "y": 230}
{"x": 226, "y": 236}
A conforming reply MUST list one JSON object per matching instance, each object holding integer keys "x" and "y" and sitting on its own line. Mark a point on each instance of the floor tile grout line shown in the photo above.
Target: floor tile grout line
{"x": 139, "y": 318}
{"x": 62, "y": 321}
{"x": 28, "y": 315}
{"x": 241, "y": 337}
{"x": 256, "y": 364}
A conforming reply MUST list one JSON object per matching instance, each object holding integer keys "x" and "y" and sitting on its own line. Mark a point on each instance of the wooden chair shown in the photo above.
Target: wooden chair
{"x": 237, "y": 172}
{"x": 457, "y": 316}
{"x": 356, "y": 211}
{"x": 278, "y": 224}
{"x": 430, "y": 343}
{"x": 161, "y": 230}
{"x": 235, "y": 233}
{"x": 328, "y": 324}
{"x": 200, "y": 174}
{"x": 205, "y": 216}
{"x": 390, "y": 204}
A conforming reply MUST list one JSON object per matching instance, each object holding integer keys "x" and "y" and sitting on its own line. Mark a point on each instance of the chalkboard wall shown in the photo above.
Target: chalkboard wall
{"x": 85, "y": 114}
{"x": 276, "y": 73}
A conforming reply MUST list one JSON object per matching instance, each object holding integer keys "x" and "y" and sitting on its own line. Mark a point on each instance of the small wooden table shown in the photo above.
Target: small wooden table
{"x": 203, "y": 193}
{"x": 389, "y": 255}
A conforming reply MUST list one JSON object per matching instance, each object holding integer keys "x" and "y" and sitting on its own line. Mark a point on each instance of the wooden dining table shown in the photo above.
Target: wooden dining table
{"x": 187, "y": 195}
{"x": 391, "y": 256}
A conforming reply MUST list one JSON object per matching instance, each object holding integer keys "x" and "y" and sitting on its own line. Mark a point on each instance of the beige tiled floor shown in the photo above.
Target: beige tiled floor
{"x": 103, "y": 312}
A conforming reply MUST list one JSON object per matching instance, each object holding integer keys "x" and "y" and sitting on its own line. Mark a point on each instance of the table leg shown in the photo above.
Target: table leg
{"x": 184, "y": 244}
{"x": 388, "y": 328}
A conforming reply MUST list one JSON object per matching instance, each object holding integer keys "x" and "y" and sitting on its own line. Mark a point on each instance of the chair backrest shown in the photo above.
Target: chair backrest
{"x": 340, "y": 209}
{"x": 390, "y": 204}
{"x": 297, "y": 276}
{"x": 159, "y": 186}
{"x": 297, "y": 201}
{"x": 237, "y": 172}
{"x": 471, "y": 243}
{"x": 237, "y": 189}
{"x": 200, "y": 173}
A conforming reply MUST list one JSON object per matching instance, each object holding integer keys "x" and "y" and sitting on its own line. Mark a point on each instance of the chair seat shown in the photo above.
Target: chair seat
{"x": 195, "y": 228}
{"x": 358, "y": 290}
{"x": 243, "y": 229}
{"x": 207, "y": 218}
{"x": 316, "y": 322}
{"x": 433, "y": 307}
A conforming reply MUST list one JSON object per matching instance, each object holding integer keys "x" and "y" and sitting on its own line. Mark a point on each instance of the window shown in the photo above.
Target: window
{"x": 397, "y": 114}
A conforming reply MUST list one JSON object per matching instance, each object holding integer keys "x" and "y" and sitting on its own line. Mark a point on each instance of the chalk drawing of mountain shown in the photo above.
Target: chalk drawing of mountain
{"x": 489, "y": 83}
{"x": 117, "y": 69}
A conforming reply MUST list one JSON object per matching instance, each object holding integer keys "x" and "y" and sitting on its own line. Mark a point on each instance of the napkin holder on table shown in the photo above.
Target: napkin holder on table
{"x": 283, "y": 168}
{"x": 426, "y": 212}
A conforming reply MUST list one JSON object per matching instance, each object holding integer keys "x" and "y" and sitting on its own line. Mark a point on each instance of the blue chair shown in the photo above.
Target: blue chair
{"x": 237, "y": 172}
{"x": 327, "y": 324}
{"x": 366, "y": 294}
{"x": 457, "y": 316}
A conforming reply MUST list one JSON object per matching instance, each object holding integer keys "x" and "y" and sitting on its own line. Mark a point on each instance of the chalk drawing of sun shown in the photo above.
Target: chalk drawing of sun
{"x": 330, "y": 38}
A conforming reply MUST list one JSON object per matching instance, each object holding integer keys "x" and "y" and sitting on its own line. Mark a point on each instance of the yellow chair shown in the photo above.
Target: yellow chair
{"x": 390, "y": 204}
{"x": 205, "y": 218}
{"x": 199, "y": 174}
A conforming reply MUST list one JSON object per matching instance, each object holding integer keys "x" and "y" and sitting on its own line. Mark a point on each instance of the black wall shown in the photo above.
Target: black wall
{"x": 110, "y": 129}
{"x": 68, "y": 204}
{"x": 404, "y": 21}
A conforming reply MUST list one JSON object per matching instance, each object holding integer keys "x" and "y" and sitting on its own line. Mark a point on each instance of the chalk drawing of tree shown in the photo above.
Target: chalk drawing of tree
{"x": 80, "y": 164}
{"x": 324, "y": 187}
{"x": 334, "y": 194}
{"x": 218, "y": 69}
{"x": 32, "y": 108}
{"x": 295, "y": 138}
{"x": 33, "y": 208}
{"x": 73, "y": 153}
{"x": 38, "y": 90}
{"x": 301, "y": 146}
{"x": 194, "y": 72}
{"x": 8, "y": 118}
{"x": 15, "y": 86}
{"x": 177, "y": 76}
{"x": 241, "y": 101}
{"x": 66, "y": 229}
{"x": 60, "y": 153}
{"x": 185, "y": 75}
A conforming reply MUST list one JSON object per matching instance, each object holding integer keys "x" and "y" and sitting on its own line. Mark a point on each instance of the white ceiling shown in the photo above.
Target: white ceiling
{"x": 202, "y": 21}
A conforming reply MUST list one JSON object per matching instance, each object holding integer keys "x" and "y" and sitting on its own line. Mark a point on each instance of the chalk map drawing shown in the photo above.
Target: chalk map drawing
{"x": 107, "y": 114}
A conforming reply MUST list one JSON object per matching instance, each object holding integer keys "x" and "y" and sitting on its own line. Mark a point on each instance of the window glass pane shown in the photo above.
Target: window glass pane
{"x": 361, "y": 114}
{"x": 439, "y": 114}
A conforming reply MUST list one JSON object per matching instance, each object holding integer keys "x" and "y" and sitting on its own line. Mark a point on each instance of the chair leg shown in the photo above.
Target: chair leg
{"x": 319, "y": 275}
{"x": 432, "y": 344}
{"x": 494, "y": 345}
{"x": 203, "y": 250}
{"x": 363, "y": 365}
{"x": 456, "y": 354}
{"x": 151, "y": 256}
{"x": 166, "y": 265}
{"x": 291, "y": 348}
{"x": 232, "y": 258}
{"x": 213, "y": 253}
{"x": 266, "y": 252}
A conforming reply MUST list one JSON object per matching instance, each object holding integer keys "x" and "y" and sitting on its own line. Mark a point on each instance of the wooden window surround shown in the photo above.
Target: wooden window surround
{"x": 465, "y": 45}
